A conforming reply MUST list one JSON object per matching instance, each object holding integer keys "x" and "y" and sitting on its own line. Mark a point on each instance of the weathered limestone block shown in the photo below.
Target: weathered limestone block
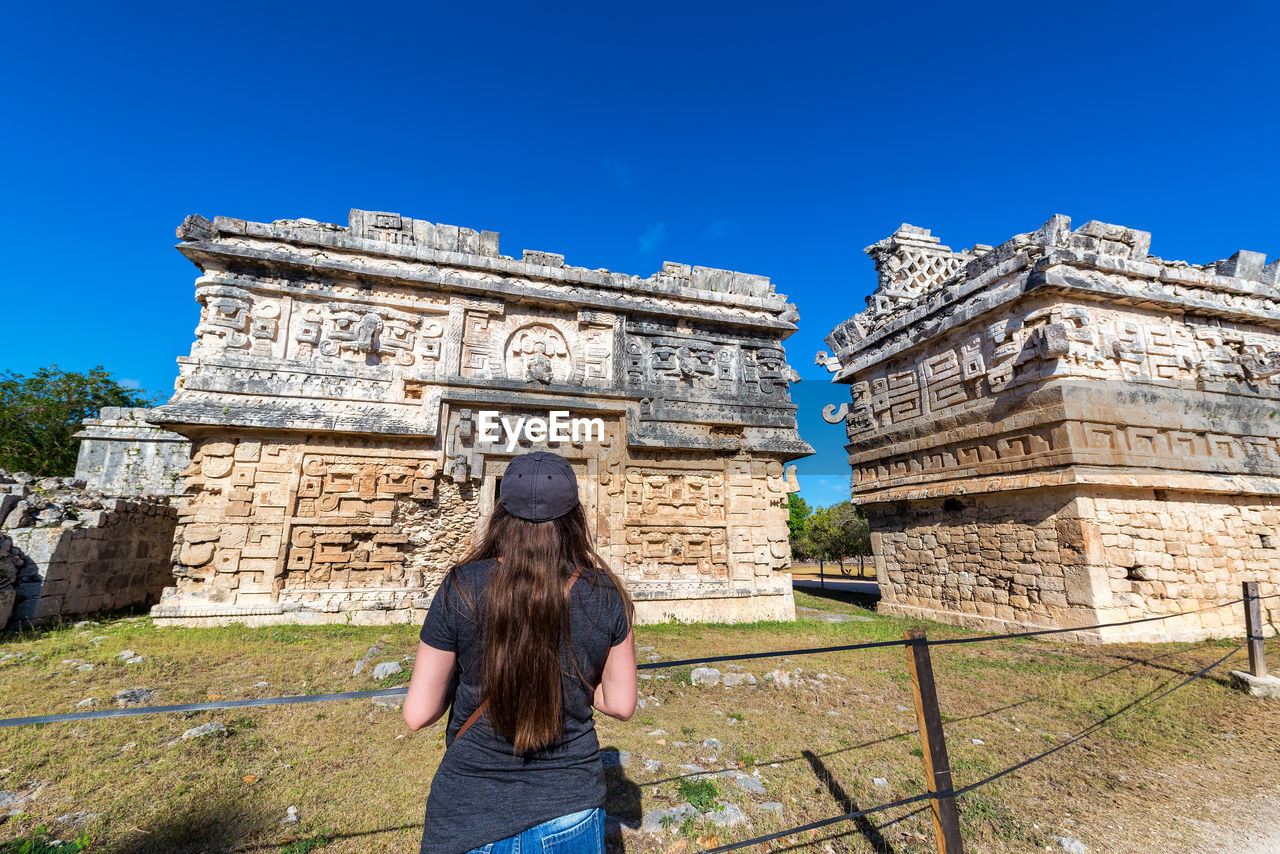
{"x": 122, "y": 454}
{"x": 1069, "y": 405}
{"x": 336, "y": 400}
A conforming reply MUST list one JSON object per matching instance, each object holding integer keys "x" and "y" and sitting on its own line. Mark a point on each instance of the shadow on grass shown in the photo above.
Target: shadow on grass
{"x": 862, "y": 823}
{"x": 811, "y": 844}
{"x": 844, "y": 597}
{"x": 622, "y": 797}
{"x": 212, "y": 825}
{"x": 1178, "y": 669}
{"x": 1131, "y": 662}
{"x": 782, "y": 760}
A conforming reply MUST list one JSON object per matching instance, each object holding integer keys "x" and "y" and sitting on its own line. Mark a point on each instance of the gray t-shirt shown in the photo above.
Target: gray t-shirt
{"x": 482, "y": 792}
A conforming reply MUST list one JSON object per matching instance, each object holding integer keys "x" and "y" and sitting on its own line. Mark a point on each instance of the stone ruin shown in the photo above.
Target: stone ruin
{"x": 334, "y": 398}
{"x": 1064, "y": 430}
{"x": 70, "y": 550}
{"x": 122, "y": 454}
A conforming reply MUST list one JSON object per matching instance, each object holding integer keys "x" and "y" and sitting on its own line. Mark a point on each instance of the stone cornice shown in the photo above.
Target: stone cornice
{"x": 720, "y": 296}
{"x": 1030, "y": 260}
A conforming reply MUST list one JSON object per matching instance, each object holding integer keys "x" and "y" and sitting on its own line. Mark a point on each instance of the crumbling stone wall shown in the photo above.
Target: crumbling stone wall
{"x": 65, "y": 550}
{"x": 1065, "y": 388}
{"x": 11, "y": 561}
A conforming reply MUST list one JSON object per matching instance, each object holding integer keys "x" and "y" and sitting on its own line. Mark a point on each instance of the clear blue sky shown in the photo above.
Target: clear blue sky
{"x": 770, "y": 138}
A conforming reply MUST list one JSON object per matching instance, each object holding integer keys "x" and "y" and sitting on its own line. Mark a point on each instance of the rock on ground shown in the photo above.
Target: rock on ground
{"x": 746, "y": 782}
{"x": 211, "y": 728}
{"x": 726, "y": 815}
{"x": 11, "y": 803}
{"x": 779, "y": 678}
{"x": 387, "y": 669}
{"x": 655, "y": 820}
{"x": 135, "y": 697}
{"x": 614, "y": 825}
{"x": 705, "y": 677}
{"x": 615, "y": 758}
{"x": 1071, "y": 846}
{"x": 374, "y": 650}
{"x": 770, "y": 808}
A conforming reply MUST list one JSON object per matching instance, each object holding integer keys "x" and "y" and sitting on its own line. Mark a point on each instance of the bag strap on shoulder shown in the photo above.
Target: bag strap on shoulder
{"x": 484, "y": 704}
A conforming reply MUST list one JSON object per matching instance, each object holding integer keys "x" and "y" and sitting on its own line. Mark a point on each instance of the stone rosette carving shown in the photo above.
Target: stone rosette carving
{"x": 537, "y": 353}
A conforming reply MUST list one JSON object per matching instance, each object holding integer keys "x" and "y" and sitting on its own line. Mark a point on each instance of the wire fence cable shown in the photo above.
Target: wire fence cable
{"x": 958, "y": 793}
{"x": 652, "y": 665}
{"x": 758, "y": 840}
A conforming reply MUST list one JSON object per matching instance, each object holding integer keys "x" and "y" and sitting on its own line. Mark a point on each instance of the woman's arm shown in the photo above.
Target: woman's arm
{"x": 429, "y": 688}
{"x": 616, "y": 693}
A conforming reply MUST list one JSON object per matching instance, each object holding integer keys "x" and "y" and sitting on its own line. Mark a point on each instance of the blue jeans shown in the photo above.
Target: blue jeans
{"x": 575, "y": 833}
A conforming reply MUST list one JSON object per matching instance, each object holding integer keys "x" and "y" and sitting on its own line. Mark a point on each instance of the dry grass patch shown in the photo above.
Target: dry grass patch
{"x": 842, "y": 738}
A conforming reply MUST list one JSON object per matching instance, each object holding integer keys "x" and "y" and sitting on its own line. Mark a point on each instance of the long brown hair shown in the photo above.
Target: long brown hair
{"x": 526, "y": 615}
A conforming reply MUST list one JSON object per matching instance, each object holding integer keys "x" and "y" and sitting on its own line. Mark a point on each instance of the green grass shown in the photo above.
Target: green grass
{"x": 701, "y": 793}
{"x": 40, "y": 842}
{"x": 305, "y": 846}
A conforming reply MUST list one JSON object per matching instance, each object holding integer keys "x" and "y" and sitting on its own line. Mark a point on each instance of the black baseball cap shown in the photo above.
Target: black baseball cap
{"x": 539, "y": 487}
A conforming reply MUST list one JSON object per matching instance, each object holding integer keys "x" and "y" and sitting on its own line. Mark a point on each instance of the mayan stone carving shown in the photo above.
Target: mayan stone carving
{"x": 1065, "y": 430}
{"x": 333, "y": 401}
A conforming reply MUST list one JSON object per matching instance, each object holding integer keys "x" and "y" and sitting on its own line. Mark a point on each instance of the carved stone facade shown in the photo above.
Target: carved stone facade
{"x": 339, "y": 462}
{"x": 1065, "y": 430}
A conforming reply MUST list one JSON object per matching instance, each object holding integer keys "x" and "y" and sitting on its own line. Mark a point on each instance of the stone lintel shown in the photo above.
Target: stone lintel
{"x": 306, "y": 416}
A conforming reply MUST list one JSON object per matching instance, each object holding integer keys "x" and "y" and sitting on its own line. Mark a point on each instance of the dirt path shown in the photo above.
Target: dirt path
{"x": 1219, "y": 806}
{"x": 1247, "y": 826}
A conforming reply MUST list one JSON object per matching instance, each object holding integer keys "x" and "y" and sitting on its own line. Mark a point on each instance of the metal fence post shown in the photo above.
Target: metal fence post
{"x": 1253, "y": 630}
{"x": 933, "y": 744}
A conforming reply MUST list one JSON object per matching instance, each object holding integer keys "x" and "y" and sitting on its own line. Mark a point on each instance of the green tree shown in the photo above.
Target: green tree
{"x": 819, "y": 535}
{"x": 853, "y": 533}
{"x": 797, "y": 516}
{"x": 41, "y": 413}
